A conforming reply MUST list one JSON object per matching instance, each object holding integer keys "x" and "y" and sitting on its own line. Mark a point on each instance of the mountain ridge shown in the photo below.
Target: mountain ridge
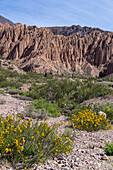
{"x": 74, "y": 29}
{"x": 4, "y": 20}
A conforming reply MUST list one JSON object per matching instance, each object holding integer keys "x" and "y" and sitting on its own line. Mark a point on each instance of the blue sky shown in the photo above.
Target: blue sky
{"x": 92, "y": 13}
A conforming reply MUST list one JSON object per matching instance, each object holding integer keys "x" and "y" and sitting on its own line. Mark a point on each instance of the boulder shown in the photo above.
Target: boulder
{"x": 101, "y": 112}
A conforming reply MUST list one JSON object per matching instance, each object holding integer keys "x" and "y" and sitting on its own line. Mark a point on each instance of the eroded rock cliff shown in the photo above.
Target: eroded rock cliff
{"x": 38, "y": 49}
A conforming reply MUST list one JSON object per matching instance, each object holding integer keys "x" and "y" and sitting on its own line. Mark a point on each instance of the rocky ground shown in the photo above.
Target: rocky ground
{"x": 11, "y": 104}
{"x": 88, "y": 149}
{"x": 100, "y": 100}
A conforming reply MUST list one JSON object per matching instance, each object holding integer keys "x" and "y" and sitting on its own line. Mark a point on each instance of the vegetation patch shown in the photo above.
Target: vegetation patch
{"x": 24, "y": 143}
{"x": 89, "y": 121}
{"x": 110, "y": 84}
{"x": 109, "y": 149}
{"x": 43, "y": 104}
{"x": 107, "y": 108}
{"x": 2, "y": 92}
{"x": 2, "y": 101}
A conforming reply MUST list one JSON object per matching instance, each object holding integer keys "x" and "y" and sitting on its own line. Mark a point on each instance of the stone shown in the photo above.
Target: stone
{"x": 101, "y": 112}
{"x": 104, "y": 157}
{"x": 64, "y": 168}
{"x": 61, "y": 165}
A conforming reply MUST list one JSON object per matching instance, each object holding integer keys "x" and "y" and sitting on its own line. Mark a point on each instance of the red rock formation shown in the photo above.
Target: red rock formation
{"x": 38, "y": 49}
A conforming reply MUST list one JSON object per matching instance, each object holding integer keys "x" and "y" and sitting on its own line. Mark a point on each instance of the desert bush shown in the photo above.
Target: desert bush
{"x": 110, "y": 84}
{"x": 13, "y": 91}
{"x": 43, "y": 104}
{"x": 30, "y": 111}
{"x": 108, "y": 148}
{"x": 4, "y": 82}
{"x": 24, "y": 143}
{"x": 10, "y": 68}
{"x": 89, "y": 120}
{"x": 88, "y": 90}
{"x": 105, "y": 107}
{"x": 77, "y": 91}
{"x": 108, "y": 78}
{"x": 22, "y": 97}
{"x": 67, "y": 93}
{"x": 2, "y": 92}
{"x": 2, "y": 58}
{"x": 108, "y": 109}
{"x": 2, "y": 101}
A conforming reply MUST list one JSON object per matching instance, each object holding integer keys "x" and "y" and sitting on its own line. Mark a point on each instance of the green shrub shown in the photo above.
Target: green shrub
{"x": 88, "y": 90}
{"x": 30, "y": 111}
{"x": 43, "y": 104}
{"x": 67, "y": 93}
{"x": 109, "y": 111}
{"x": 110, "y": 84}
{"x": 2, "y": 58}
{"x": 2, "y": 101}
{"x": 26, "y": 143}
{"x": 106, "y": 108}
{"x": 109, "y": 149}
{"x": 10, "y": 68}
{"x": 2, "y": 92}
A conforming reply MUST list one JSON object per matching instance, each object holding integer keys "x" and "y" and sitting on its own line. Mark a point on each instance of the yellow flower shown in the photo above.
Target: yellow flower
{"x": 67, "y": 138}
{"x": 23, "y": 141}
{"x": 22, "y": 148}
{"x": 32, "y": 137}
{"x": 6, "y": 150}
{"x": 6, "y": 130}
{"x": 60, "y": 123}
{"x": 42, "y": 134}
{"x": 5, "y": 120}
{"x": 11, "y": 118}
{"x": 9, "y": 150}
{"x": 60, "y": 138}
{"x": 18, "y": 151}
{"x": 16, "y": 142}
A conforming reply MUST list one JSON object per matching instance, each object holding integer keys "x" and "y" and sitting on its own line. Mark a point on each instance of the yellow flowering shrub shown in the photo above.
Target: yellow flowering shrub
{"x": 28, "y": 143}
{"x": 89, "y": 121}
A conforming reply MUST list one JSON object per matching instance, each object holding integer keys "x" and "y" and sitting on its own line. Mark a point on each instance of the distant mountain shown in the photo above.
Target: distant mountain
{"x": 74, "y": 29}
{"x": 5, "y": 20}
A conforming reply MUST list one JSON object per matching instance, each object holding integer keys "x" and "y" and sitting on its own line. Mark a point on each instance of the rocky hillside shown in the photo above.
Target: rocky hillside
{"x": 74, "y": 29}
{"x": 4, "y": 20}
{"x": 38, "y": 49}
